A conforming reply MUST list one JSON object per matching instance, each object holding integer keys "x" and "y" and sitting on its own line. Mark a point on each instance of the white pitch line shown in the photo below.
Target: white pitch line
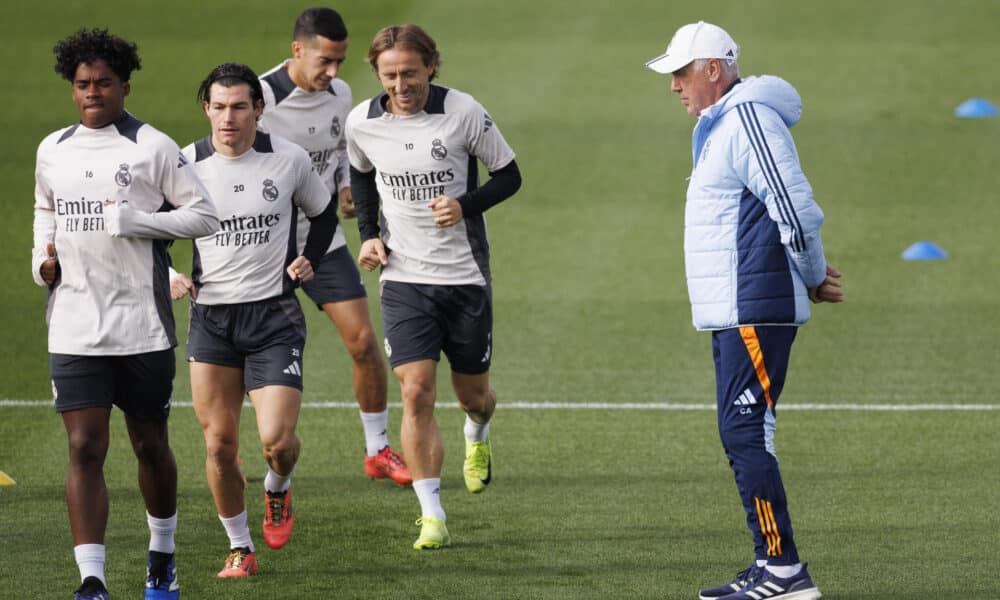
{"x": 622, "y": 406}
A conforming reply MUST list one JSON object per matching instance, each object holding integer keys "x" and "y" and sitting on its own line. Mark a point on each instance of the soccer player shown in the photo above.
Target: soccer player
{"x": 306, "y": 103}
{"x": 247, "y": 331}
{"x": 754, "y": 259}
{"x": 415, "y": 148}
{"x": 110, "y": 192}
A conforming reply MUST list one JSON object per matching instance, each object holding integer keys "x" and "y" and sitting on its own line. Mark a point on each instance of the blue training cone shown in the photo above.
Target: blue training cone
{"x": 976, "y": 108}
{"x": 924, "y": 250}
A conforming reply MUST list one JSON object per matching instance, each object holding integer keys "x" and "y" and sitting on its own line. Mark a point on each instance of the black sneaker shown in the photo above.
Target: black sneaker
{"x": 91, "y": 589}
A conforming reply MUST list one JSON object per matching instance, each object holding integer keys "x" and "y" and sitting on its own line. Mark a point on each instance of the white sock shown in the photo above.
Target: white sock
{"x": 785, "y": 571}
{"x": 90, "y": 560}
{"x": 161, "y": 533}
{"x": 375, "y": 425}
{"x": 429, "y": 494}
{"x": 476, "y": 432}
{"x": 275, "y": 483}
{"x": 238, "y": 531}
{"x": 761, "y": 564}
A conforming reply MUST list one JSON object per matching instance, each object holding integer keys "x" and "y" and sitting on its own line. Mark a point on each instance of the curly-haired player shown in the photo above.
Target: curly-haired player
{"x": 110, "y": 192}
{"x": 90, "y": 45}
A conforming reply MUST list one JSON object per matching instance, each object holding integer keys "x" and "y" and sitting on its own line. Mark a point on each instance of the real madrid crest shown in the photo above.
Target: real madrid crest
{"x": 335, "y": 127}
{"x": 270, "y": 191}
{"x": 438, "y": 151}
{"x": 123, "y": 177}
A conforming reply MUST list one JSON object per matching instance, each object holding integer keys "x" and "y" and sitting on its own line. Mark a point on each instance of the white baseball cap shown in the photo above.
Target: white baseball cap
{"x": 694, "y": 41}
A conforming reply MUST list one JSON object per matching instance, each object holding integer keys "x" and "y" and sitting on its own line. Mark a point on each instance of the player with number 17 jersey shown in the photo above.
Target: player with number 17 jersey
{"x": 306, "y": 102}
{"x": 258, "y": 195}
{"x": 314, "y": 121}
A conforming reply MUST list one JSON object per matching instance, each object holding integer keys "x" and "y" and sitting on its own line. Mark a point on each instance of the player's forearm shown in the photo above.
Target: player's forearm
{"x": 194, "y": 219}
{"x": 365, "y": 194}
{"x": 502, "y": 184}
{"x": 343, "y": 172}
{"x": 321, "y": 230}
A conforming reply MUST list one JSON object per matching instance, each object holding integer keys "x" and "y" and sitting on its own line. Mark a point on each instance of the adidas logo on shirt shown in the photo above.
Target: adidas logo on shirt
{"x": 745, "y": 399}
{"x": 293, "y": 369}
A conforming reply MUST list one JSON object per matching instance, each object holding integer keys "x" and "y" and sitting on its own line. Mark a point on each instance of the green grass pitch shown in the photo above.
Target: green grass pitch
{"x": 590, "y": 308}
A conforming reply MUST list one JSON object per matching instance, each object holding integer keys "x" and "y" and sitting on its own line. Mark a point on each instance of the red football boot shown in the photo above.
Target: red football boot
{"x": 388, "y": 464}
{"x": 241, "y": 563}
{"x": 278, "y": 518}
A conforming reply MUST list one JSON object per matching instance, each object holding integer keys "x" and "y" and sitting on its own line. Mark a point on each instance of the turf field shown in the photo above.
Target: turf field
{"x": 597, "y": 499}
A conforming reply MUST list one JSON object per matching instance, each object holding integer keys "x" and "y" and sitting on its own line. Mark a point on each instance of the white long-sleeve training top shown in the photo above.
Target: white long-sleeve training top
{"x": 110, "y": 199}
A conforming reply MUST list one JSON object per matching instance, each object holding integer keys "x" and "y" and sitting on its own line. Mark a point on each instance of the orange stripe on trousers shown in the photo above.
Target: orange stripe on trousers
{"x": 749, "y": 335}
{"x": 768, "y": 527}
{"x": 765, "y": 527}
{"x": 774, "y": 526}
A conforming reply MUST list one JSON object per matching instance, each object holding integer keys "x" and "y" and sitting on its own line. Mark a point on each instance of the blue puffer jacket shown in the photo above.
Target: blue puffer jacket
{"x": 751, "y": 228}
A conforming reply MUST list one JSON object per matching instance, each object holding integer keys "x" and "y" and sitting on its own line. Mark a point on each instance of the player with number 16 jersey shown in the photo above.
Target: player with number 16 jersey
{"x": 109, "y": 198}
{"x": 111, "y": 192}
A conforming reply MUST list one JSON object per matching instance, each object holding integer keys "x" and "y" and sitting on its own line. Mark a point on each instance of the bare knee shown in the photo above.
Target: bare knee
{"x": 149, "y": 441}
{"x": 87, "y": 449}
{"x": 363, "y": 347}
{"x": 221, "y": 449}
{"x": 283, "y": 450}
{"x": 152, "y": 451}
{"x": 475, "y": 396}
{"x": 418, "y": 397}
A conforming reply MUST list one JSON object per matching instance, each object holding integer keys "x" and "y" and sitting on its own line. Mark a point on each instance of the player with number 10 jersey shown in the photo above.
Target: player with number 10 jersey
{"x": 415, "y": 150}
